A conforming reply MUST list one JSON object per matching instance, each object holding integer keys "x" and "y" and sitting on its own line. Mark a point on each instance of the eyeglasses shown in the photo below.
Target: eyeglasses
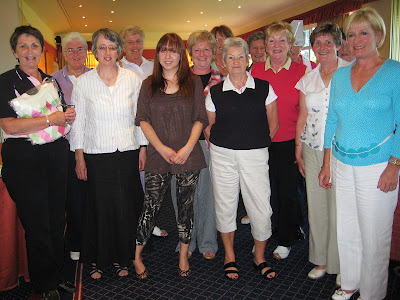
{"x": 78, "y": 50}
{"x": 104, "y": 48}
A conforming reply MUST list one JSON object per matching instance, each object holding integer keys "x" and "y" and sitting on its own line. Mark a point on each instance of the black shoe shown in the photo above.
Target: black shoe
{"x": 67, "y": 286}
{"x": 52, "y": 295}
{"x": 301, "y": 236}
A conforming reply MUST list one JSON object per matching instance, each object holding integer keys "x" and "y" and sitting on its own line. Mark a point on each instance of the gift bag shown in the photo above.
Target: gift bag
{"x": 40, "y": 101}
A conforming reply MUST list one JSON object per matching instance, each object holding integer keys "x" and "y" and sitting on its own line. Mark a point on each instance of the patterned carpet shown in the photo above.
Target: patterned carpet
{"x": 207, "y": 280}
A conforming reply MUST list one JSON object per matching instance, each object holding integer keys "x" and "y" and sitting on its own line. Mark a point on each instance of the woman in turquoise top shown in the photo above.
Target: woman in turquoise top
{"x": 360, "y": 133}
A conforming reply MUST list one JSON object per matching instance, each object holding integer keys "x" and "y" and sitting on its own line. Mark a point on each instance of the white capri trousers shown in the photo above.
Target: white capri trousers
{"x": 245, "y": 170}
{"x": 364, "y": 228}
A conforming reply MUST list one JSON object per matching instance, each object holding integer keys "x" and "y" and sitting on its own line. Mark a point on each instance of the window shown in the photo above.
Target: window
{"x": 307, "y": 51}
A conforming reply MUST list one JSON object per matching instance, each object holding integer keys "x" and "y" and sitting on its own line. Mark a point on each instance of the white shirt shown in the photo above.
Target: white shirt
{"x": 317, "y": 103}
{"x": 143, "y": 71}
{"x": 250, "y": 84}
{"x": 105, "y": 119}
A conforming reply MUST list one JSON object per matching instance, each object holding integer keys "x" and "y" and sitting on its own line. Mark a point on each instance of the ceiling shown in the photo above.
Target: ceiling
{"x": 157, "y": 17}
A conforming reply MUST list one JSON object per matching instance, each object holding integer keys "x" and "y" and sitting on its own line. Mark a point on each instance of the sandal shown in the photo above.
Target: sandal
{"x": 118, "y": 269}
{"x": 143, "y": 275}
{"x": 94, "y": 270}
{"x": 184, "y": 273}
{"x": 231, "y": 264}
{"x": 261, "y": 267}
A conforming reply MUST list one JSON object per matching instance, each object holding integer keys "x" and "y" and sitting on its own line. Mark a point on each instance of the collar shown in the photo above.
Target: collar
{"x": 228, "y": 86}
{"x": 285, "y": 66}
{"x": 125, "y": 61}
{"x": 65, "y": 72}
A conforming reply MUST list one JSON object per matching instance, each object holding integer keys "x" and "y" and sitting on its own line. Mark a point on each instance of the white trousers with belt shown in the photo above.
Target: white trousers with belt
{"x": 364, "y": 228}
{"x": 246, "y": 170}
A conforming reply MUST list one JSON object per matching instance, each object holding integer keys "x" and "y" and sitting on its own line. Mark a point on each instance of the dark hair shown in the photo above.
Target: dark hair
{"x": 327, "y": 28}
{"x": 255, "y": 36}
{"x": 225, "y": 30}
{"x": 25, "y": 29}
{"x": 184, "y": 74}
{"x": 108, "y": 34}
{"x": 343, "y": 35}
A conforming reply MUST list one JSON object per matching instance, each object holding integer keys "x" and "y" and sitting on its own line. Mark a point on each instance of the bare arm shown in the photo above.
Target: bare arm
{"x": 211, "y": 122}
{"x": 183, "y": 153}
{"x": 273, "y": 118}
{"x": 142, "y": 158}
{"x": 301, "y": 122}
{"x": 325, "y": 174}
{"x": 166, "y": 152}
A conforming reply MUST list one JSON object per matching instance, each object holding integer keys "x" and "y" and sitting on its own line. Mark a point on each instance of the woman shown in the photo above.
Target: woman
{"x": 35, "y": 175}
{"x": 283, "y": 74}
{"x": 220, "y": 33}
{"x": 74, "y": 49}
{"x": 201, "y": 46}
{"x": 172, "y": 115}
{"x": 345, "y": 52}
{"x": 364, "y": 111}
{"x": 314, "y": 89}
{"x": 106, "y": 144}
{"x": 241, "y": 131}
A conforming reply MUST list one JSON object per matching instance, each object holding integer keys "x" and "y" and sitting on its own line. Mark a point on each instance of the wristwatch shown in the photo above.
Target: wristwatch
{"x": 395, "y": 161}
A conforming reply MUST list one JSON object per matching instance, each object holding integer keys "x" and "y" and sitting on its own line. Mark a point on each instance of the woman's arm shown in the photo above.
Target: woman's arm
{"x": 301, "y": 122}
{"x": 80, "y": 167}
{"x": 19, "y": 126}
{"x": 142, "y": 157}
{"x": 325, "y": 174}
{"x": 166, "y": 152}
{"x": 273, "y": 118}
{"x": 183, "y": 153}
{"x": 211, "y": 122}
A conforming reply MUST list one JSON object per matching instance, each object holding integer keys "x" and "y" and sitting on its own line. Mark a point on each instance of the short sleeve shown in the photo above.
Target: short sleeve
{"x": 271, "y": 96}
{"x": 143, "y": 108}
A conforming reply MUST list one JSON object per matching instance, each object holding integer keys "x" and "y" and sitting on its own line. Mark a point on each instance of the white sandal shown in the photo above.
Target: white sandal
{"x": 281, "y": 252}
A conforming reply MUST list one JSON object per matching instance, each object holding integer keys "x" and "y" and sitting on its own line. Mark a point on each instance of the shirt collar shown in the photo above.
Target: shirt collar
{"x": 65, "y": 72}
{"x": 285, "y": 66}
{"x": 228, "y": 86}
{"x": 125, "y": 61}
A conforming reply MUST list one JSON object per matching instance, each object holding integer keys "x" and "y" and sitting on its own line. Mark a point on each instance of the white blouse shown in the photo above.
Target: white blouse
{"x": 317, "y": 103}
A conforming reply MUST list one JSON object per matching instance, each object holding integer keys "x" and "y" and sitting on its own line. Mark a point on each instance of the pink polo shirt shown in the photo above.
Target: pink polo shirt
{"x": 283, "y": 83}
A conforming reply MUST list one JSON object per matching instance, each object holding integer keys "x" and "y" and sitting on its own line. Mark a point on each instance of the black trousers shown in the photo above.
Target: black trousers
{"x": 76, "y": 195}
{"x": 156, "y": 187}
{"x": 283, "y": 174}
{"x": 36, "y": 178}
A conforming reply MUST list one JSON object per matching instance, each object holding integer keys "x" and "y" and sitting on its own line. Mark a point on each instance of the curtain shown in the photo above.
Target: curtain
{"x": 395, "y": 31}
{"x": 339, "y": 20}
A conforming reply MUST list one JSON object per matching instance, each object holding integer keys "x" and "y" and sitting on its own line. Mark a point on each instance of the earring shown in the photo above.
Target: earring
{"x": 17, "y": 59}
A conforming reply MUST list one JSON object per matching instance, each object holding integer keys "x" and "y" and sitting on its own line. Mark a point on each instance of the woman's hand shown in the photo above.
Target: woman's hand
{"x": 70, "y": 115}
{"x": 168, "y": 154}
{"x": 324, "y": 177}
{"x": 80, "y": 167}
{"x": 299, "y": 159}
{"x": 389, "y": 178}
{"x": 182, "y": 155}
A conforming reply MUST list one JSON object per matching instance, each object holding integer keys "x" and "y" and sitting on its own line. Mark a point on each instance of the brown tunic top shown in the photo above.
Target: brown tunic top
{"x": 172, "y": 116}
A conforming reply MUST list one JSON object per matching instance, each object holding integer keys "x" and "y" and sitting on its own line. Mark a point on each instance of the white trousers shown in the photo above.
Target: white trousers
{"x": 364, "y": 228}
{"x": 245, "y": 170}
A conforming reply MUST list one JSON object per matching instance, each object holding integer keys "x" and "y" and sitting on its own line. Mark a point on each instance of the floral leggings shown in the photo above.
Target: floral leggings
{"x": 156, "y": 186}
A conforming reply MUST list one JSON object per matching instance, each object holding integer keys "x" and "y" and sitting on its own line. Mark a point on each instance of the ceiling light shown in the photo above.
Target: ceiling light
{"x": 188, "y": 21}
{"x": 83, "y": 17}
{"x": 201, "y": 12}
{"x": 239, "y": 6}
{"x": 110, "y": 21}
{"x": 85, "y": 25}
{"x": 205, "y": 25}
{"x": 112, "y": 11}
{"x": 80, "y": 5}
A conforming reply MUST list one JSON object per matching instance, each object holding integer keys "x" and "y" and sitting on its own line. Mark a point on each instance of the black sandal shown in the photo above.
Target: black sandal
{"x": 231, "y": 264}
{"x": 142, "y": 276}
{"x": 261, "y": 267}
{"x": 93, "y": 270}
{"x": 118, "y": 269}
{"x": 184, "y": 273}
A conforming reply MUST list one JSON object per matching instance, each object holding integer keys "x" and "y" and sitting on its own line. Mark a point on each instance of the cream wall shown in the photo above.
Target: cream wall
{"x": 8, "y": 21}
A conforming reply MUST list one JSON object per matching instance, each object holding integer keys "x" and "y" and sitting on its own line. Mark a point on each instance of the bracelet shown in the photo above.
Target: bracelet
{"x": 325, "y": 166}
{"x": 48, "y": 121}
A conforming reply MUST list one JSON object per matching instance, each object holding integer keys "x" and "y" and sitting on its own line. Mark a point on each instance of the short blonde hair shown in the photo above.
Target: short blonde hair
{"x": 278, "y": 27}
{"x": 131, "y": 30}
{"x": 235, "y": 42}
{"x": 367, "y": 16}
{"x": 201, "y": 36}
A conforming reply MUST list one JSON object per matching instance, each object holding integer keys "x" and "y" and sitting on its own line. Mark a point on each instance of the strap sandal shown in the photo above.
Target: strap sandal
{"x": 281, "y": 252}
{"x": 231, "y": 264}
{"x": 118, "y": 269}
{"x": 184, "y": 273}
{"x": 261, "y": 267}
{"x": 143, "y": 275}
{"x": 94, "y": 270}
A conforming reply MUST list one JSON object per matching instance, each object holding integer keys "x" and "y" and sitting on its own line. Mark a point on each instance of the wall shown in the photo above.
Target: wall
{"x": 8, "y": 21}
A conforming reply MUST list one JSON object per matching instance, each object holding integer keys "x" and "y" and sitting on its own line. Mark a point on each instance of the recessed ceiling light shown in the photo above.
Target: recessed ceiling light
{"x": 80, "y": 5}
{"x": 85, "y": 25}
{"x": 110, "y": 21}
{"x": 205, "y": 25}
{"x": 201, "y": 12}
{"x": 83, "y": 17}
{"x": 188, "y": 21}
{"x": 112, "y": 11}
{"x": 239, "y": 6}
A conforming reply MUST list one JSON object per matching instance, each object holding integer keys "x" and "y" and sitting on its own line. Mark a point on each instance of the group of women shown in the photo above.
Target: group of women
{"x": 335, "y": 124}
